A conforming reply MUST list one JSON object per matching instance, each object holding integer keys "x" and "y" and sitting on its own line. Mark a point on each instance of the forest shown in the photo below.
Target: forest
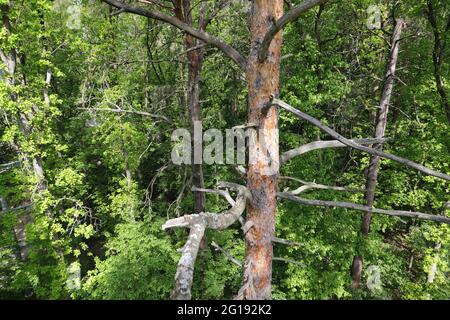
{"x": 225, "y": 149}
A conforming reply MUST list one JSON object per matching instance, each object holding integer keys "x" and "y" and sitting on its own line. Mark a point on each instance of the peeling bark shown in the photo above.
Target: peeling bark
{"x": 263, "y": 81}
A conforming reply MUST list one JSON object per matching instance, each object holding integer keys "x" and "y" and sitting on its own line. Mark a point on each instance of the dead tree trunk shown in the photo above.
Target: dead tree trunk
{"x": 195, "y": 63}
{"x": 380, "y": 128}
{"x": 263, "y": 82}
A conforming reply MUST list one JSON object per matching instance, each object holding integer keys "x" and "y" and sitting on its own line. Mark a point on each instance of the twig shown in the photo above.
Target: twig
{"x": 227, "y": 254}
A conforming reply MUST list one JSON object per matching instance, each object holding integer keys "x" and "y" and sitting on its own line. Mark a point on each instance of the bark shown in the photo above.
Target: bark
{"x": 262, "y": 181}
{"x": 380, "y": 128}
{"x": 195, "y": 63}
{"x": 194, "y": 56}
{"x": 185, "y": 269}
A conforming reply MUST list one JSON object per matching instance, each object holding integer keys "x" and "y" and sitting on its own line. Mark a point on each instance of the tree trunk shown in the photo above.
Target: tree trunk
{"x": 440, "y": 43}
{"x": 263, "y": 81}
{"x": 195, "y": 63}
{"x": 380, "y": 128}
{"x": 195, "y": 59}
{"x": 11, "y": 60}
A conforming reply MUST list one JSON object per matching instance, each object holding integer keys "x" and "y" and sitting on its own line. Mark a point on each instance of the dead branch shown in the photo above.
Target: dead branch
{"x": 288, "y": 17}
{"x": 141, "y": 113}
{"x": 287, "y": 242}
{"x": 350, "y": 143}
{"x": 8, "y": 166}
{"x": 232, "y": 53}
{"x": 198, "y": 224}
{"x": 288, "y": 155}
{"x": 288, "y": 261}
{"x": 227, "y": 254}
{"x": 223, "y": 193}
{"x": 312, "y": 185}
{"x": 359, "y": 207}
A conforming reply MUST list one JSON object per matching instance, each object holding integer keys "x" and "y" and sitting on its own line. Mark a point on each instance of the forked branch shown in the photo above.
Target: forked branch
{"x": 198, "y": 224}
{"x": 288, "y": 17}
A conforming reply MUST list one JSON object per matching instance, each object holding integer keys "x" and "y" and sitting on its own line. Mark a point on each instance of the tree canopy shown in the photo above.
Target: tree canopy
{"x": 347, "y": 196}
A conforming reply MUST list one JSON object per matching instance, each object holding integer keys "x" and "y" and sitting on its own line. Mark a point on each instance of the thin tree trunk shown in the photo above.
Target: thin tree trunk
{"x": 263, "y": 81}
{"x": 195, "y": 58}
{"x": 380, "y": 128}
{"x": 195, "y": 63}
{"x": 440, "y": 44}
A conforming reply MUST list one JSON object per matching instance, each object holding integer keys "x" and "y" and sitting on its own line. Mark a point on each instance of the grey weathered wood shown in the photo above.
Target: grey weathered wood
{"x": 198, "y": 224}
{"x": 316, "y": 145}
{"x": 350, "y": 143}
{"x": 360, "y": 207}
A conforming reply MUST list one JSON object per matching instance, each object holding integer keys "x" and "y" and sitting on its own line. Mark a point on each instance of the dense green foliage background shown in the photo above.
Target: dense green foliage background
{"x": 111, "y": 184}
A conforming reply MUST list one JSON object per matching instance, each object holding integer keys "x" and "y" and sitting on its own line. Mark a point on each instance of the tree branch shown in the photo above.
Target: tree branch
{"x": 288, "y": 261}
{"x": 222, "y": 4}
{"x": 227, "y": 254}
{"x": 223, "y": 193}
{"x": 287, "y": 242}
{"x": 198, "y": 224}
{"x": 350, "y": 143}
{"x": 288, "y": 155}
{"x": 9, "y": 165}
{"x": 232, "y": 53}
{"x": 288, "y": 17}
{"x": 312, "y": 185}
{"x": 141, "y": 113}
{"x": 359, "y": 207}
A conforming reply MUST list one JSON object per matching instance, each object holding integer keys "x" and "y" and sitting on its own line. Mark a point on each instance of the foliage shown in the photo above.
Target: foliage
{"x": 109, "y": 184}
